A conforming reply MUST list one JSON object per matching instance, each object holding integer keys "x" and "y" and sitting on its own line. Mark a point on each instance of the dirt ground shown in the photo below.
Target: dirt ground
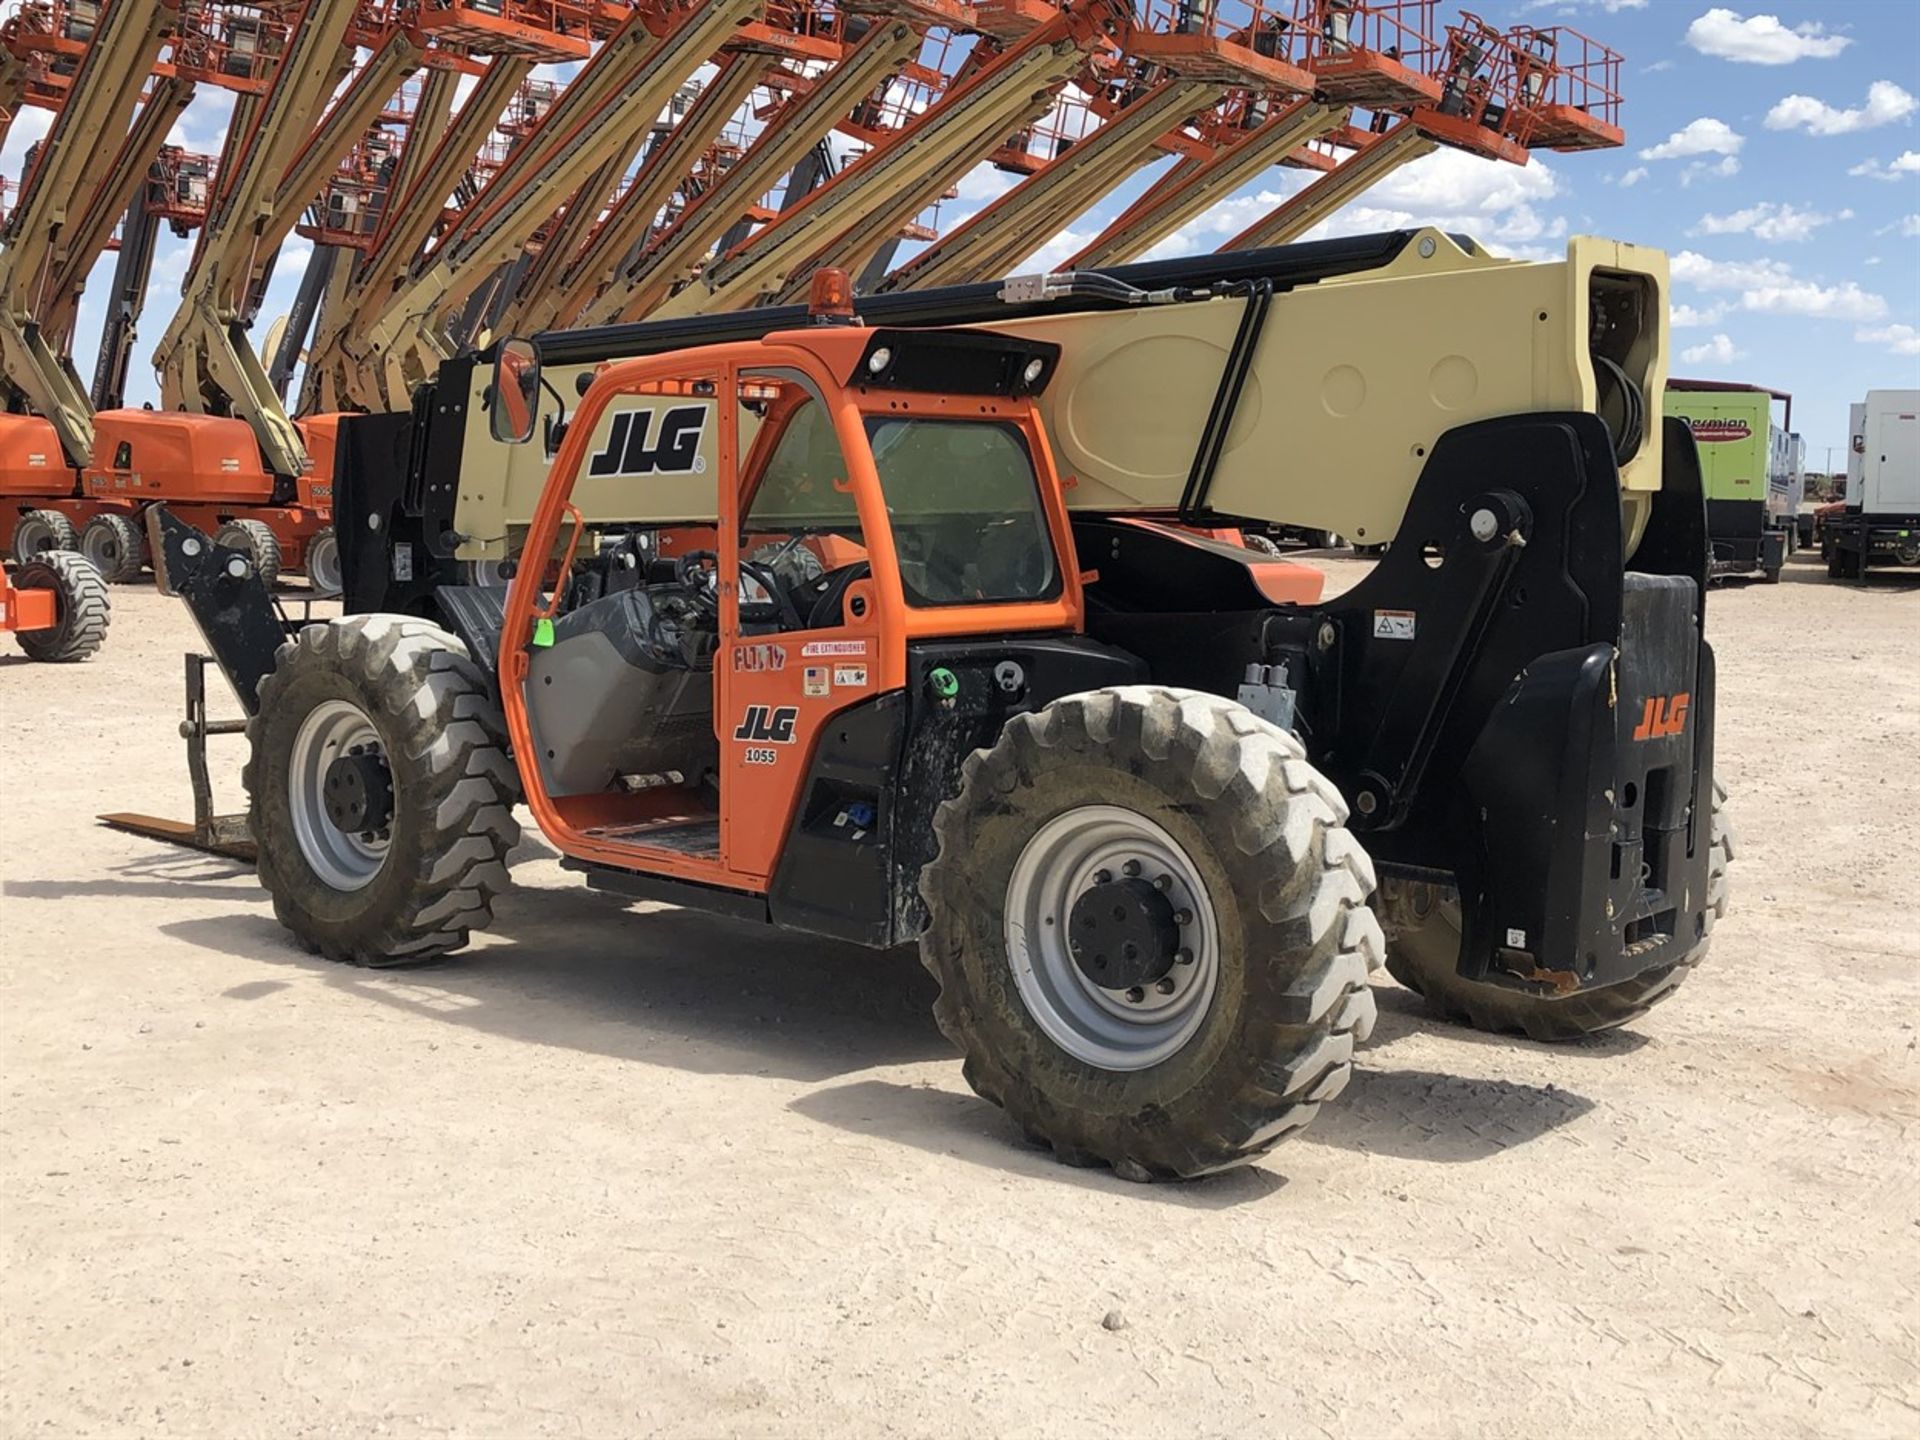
{"x": 617, "y": 1172}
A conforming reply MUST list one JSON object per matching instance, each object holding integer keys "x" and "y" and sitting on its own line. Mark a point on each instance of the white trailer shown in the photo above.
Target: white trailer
{"x": 1881, "y": 521}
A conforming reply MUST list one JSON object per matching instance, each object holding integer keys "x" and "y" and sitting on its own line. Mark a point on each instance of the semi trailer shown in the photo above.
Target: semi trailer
{"x": 887, "y": 620}
{"x": 1879, "y": 523}
{"x": 1750, "y": 469}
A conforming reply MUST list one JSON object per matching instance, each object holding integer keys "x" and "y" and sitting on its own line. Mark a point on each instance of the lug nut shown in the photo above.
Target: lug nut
{"x": 1130, "y": 869}
{"x": 1136, "y": 996}
{"x": 1183, "y": 917}
{"x": 1183, "y": 957}
{"x": 1164, "y": 986}
{"x": 1165, "y": 882}
{"x": 1103, "y": 877}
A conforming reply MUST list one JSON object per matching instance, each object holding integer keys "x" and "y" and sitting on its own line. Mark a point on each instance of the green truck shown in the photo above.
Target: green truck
{"x": 1751, "y": 471}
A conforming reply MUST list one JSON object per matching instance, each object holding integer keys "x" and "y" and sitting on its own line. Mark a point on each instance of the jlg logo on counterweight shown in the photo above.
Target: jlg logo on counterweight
{"x": 676, "y": 450}
{"x": 1664, "y": 715}
{"x": 767, "y": 722}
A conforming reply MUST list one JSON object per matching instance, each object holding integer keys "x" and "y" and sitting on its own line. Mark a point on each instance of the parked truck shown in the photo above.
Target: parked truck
{"x": 1749, "y": 466}
{"x": 1879, "y": 523}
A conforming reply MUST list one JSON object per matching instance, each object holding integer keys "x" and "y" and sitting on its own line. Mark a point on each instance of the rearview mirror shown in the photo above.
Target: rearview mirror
{"x": 515, "y": 393}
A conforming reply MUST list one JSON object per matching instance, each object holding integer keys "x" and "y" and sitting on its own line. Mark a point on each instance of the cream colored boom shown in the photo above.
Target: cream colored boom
{"x": 335, "y": 379}
{"x": 634, "y": 74}
{"x": 1047, "y": 201}
{"x": 677, "y": 254}
{"x": 1361, "y": 170}
{"x": 205, "y": 362}
{"x": 1192, "y": 190}
{"x": 967, "y": 122}
{"x": 598, "y": 262}
{"x": 1354, "y": 380}
{"x": 48, "y": 223}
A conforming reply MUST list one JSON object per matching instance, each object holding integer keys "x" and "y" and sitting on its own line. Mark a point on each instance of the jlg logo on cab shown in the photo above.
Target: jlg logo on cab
{"x": 1664, "y": 715}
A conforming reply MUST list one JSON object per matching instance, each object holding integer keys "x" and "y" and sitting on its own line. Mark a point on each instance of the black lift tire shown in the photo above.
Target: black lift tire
{"x": 1293, "y": 938}
{"x": 81, "y": 607}
{"x": 115, "y": 546}
{"x": 257, "y": 540}
{"x": 38, "y": 531}
{"x": 452, "y": 785}
{"x": 1423, "y": 952}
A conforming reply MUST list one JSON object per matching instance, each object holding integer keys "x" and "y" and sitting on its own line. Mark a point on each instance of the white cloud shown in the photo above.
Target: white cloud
{"x": 1768, "y": 221}
{"x": 1633, "y": 177}
{"x": 1886, "y": 103}
{"x": 1770, "y": 287}
{"x": 1705, "y": 136}
{"x": 1871, "y": 260}
{"x": 1568, "y": 7}
{"x": 1054, "y": 253}
{"x": 1720, "y": 350}
{"x": 1906, "y": 163}
{"x": 1499, "y": 205}
{"x": 984, "y": 183}
{"x": 1686, "y": 317}
{"x": 1761, "y": 39}
{"x": 1898, "y": 339}
{"x": 1657, "y": 67}
{"x": 1710, "y": 170}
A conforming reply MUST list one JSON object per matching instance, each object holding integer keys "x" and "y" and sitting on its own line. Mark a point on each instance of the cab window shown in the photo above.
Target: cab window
{"x": 965, "y": 510}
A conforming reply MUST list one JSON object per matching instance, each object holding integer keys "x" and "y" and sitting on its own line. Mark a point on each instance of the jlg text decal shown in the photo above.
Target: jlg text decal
{"x": 1664, "y": 715}
{"x": 675, "y": 450}
{"x": 769, "y": 722}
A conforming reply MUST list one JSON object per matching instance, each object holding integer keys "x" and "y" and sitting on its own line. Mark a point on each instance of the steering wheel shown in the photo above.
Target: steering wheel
{"x": 703, "y": 585}
{"x": 825, "y": 596}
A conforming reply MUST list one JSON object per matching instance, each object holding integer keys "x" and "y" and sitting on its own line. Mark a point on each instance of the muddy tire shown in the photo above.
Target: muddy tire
{"x": 38, "y": 531}
{"x": 115, "y": 546}
{"x": 322, "y": 563}
{"x": 1213, "y": 1060}
{"x": 401, "y": 698}
{"x": 1262, "y": 543}
{"x": 81, "y": 606}
{"x": 254, "y": 539}
{"x": 1423, "y": 952}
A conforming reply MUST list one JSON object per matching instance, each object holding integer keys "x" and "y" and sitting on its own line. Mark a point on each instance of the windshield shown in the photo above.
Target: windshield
{"x": 965, "y": 511}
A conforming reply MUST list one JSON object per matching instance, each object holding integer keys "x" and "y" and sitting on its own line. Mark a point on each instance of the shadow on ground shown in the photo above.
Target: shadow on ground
{"x": 576, "y": 969}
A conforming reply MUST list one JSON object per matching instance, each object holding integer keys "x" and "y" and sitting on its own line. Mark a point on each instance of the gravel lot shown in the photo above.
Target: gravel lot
{"x": 617, "y": 1172}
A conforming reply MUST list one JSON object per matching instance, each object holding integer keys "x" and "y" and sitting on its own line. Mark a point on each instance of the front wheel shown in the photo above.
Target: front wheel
{"x": 1151, "y": 931}
{"x": 1423, "y": 953}
{"x": 80, "y": 606}
{"x": 323, "y": 563}
{"x": 381, "y": 792}
{"x": 114, "y": 544}
{"x": 254, "y": 539}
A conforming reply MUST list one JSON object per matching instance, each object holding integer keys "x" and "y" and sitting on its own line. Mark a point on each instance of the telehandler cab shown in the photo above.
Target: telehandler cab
{"x": 810, "y": 622}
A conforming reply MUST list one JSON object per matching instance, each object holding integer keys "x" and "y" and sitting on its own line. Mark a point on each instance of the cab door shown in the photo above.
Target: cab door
{"x": 804, "y": 623}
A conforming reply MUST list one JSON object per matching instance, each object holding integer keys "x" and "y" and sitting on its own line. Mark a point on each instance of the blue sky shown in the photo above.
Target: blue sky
{"x": 1773, "y": 152}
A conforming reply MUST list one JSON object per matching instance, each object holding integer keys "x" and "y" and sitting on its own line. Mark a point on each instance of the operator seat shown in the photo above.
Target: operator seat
{"x": 626, "y": 688}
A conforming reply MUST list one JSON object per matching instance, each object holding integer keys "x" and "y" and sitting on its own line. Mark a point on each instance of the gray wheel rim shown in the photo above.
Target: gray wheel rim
{"x": 332, "y": 729}
{"x": 323, "y": 564}
{"x": 101, "y": 545}
{"x": 486, "y": 572}
{"x": 30, "y": 537}
{"x": 1098, "y": 1026}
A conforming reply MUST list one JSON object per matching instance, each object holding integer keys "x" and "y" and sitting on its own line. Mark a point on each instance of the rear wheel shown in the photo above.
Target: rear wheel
{"x": 1151, "y": 931}
{"x": 81, "y": 607}
{"x": 1423, "y": 953}
{"x": 381, "y": 792}
{"x": 114, "y": 544}
{"x": 42, "y": 530}
{"x": 255, "y": 539}
{"x": 323, "y": 563}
